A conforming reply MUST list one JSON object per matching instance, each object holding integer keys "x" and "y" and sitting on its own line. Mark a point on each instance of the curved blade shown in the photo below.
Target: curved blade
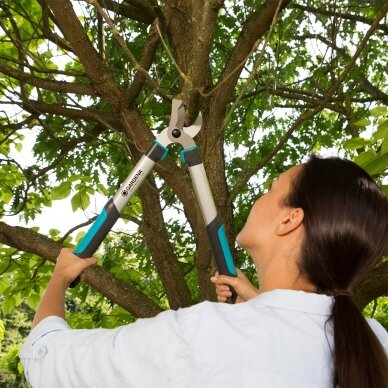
{"x": 177, "y": 118}
{"x": 195, "y": 128}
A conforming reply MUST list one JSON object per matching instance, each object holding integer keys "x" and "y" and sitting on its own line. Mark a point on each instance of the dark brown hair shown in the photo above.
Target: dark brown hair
{"x": 346, "y": 229}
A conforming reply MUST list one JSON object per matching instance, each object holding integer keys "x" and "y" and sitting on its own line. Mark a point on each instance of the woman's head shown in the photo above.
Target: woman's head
{"x": 270, "y": 223}
{"x": 345, "y": 222}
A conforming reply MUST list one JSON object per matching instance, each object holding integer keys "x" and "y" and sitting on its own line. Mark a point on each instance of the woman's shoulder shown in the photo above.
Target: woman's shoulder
{"x": 380, "y": 332}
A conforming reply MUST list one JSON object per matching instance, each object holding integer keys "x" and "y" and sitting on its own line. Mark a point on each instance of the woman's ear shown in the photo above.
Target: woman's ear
{"x": 292, "y": 219}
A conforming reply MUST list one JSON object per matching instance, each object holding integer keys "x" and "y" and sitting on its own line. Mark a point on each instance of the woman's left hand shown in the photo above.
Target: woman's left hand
{"x": 244, "y": 288}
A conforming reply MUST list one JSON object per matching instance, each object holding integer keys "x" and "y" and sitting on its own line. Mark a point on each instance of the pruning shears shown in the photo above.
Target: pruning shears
{"x": 174, "y": 133}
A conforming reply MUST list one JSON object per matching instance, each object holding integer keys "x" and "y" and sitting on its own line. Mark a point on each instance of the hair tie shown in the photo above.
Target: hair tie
{"x": 337, "y": 293}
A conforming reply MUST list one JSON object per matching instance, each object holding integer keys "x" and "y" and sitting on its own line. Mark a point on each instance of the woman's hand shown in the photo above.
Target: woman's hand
{"x": 244, "y": 288}
{"x": 69, "y": 266}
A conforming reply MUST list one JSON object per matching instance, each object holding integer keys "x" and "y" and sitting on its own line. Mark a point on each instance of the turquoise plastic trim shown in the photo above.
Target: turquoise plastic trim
{"x": 226, "y": 250}
{"x": 182, "y": 153}
{"x": 91, "y": 232}
{"x": 165, "y": 150}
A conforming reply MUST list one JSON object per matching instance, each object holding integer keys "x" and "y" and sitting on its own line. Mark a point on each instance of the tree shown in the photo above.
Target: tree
{"x": 91, "y": 83}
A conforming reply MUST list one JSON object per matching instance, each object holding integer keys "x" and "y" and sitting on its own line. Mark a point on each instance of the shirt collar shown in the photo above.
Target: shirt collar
{"x": 306, "y": 302}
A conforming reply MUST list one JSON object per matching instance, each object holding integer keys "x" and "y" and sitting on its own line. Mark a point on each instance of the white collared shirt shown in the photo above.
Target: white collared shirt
{"x": 276, "y": 340}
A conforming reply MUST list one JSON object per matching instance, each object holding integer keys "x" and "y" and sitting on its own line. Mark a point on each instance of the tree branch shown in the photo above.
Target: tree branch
{"x": 346, "y": 16}
{"x": 145, "y": 63}
{"x": 123, "y": 294}
{"x": 374, "y": 284}
{"x": 44, "y": 83}
{"x": 110, "y": 120}
{"x": 35, "y": 69}
{"x": 15, "y": 126}
{"x": 46, "y": 30}
{"x": 295, "y": 94}
{"x": 163, "y": 255}
{"x": 139, "y": 11}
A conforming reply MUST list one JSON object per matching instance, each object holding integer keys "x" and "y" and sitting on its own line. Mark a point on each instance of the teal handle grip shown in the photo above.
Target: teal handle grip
{"x": 96, "y": 234}
{"x": 222, "y": 253}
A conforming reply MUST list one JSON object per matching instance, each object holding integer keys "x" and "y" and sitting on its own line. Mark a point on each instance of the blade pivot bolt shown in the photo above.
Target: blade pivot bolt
{"x": 176, "y": 133}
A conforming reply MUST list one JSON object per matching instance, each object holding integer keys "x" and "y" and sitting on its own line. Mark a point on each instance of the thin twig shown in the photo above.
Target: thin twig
{"x": 181, "y": 73}
{"x": 70, "y": 231}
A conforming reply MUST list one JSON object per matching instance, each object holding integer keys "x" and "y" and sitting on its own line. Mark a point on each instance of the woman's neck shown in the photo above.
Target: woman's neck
{"x": 281, "y": 274}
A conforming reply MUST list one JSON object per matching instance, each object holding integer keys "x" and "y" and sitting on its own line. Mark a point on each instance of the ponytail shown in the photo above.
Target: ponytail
{"x": 359, "y": 358}
{"x": 346, "y": 229}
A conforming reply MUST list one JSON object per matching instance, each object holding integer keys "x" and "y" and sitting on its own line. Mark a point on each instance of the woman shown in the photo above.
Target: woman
{"x": 312, "y": 237}
{"x": 344, "y": 226}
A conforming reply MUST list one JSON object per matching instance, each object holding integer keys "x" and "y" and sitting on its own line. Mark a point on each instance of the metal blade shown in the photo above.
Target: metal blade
{"x": 195, "y": 128}
{"x": 177, "y": 118}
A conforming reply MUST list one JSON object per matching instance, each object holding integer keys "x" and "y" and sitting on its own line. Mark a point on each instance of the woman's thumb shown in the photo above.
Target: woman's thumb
{"x": 89, "y": 261}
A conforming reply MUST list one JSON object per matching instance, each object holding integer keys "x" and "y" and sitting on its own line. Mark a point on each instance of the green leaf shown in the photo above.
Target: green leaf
{"x": 362, "y": 123}
{"x": 61, "y": 192}
{"x": 384, "y": 146}
{"x": 135, "y": 205}
{"x": 20, "y": 368}
{"x": 355, "y": 143}
{"x": 54, "y": 232}
{"x": 101, "y": 189}
{"x": 33, "y": 300}
{"x": 4, "y": 284}
{"x": 6, "y": 195}
{"x": 382, "y": 130}
{"x": 379, "y": 111}
{"x": 19, "y": 146}
{"x": 365, "y": 157}
{"x": 377, "y": 165}
{"x": 80, "y": 201}
{"x": 8, "y": 304}
{"x": 79, "y": 236}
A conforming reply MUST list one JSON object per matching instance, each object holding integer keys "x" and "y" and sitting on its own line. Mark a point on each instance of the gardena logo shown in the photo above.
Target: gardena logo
{"x": 130, "y": 184}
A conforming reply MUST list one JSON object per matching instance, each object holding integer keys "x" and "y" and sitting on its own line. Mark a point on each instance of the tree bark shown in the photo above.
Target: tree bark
{"x": 374, "y": 284}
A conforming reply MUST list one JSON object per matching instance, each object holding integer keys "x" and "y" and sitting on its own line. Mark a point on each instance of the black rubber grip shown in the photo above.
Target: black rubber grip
{"x": 221, "y": 252}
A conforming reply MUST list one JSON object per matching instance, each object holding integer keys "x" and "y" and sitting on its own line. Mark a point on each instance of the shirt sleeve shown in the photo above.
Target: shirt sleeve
{"x": 151, "y": 352}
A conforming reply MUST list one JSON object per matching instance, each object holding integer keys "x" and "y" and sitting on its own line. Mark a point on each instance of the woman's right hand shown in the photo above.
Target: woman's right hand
{"x": 243, "y": 287}
{"x": 69, "y": 266}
